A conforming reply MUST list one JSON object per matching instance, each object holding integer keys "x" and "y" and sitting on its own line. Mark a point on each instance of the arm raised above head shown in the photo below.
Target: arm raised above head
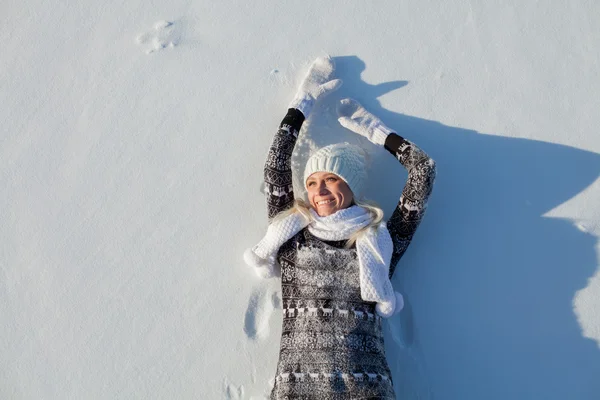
{"x": 421, "y": 173}
{"x": 317, "y": 83}
{"x": 413, "y": 202}
{"x": 278, "y": 167}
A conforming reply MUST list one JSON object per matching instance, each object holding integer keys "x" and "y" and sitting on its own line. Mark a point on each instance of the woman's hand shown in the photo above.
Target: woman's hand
{"x": 353, "y": 116}
{"x": 317, "y": 83}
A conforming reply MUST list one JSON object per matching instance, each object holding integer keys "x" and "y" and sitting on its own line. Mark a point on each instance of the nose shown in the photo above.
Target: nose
{"x": 323, "y": 188}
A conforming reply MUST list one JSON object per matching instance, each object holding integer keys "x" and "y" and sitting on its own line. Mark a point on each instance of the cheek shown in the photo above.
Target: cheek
{"x": 342, "y": 189}
{"x": 345, "y": 192}
{"x": 339, "y": 193}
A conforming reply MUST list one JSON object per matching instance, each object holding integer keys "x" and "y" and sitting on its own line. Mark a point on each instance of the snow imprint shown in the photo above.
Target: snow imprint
{"x": 164, "y": 34}
{"x": 233, "y": 392}
{"x": 260, "y": 307}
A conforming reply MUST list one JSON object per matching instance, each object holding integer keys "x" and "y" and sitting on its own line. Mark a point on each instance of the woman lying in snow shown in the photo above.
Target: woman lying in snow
{"x": 336, "y": 253}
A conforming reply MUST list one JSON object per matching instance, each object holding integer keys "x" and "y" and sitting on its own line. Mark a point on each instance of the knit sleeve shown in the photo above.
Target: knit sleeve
{"x": 413, "y": 202}
{"x": 278, "y": 167}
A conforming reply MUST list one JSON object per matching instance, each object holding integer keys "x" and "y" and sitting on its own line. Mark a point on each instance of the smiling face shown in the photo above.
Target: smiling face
{"x": 328, "y": 193}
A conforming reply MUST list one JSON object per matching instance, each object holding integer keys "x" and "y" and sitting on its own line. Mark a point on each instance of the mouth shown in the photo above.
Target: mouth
{"x": 322, "y": 203}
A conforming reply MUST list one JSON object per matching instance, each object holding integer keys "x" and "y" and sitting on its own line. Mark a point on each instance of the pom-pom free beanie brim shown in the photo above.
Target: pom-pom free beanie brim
{"x": 343, "y": 159}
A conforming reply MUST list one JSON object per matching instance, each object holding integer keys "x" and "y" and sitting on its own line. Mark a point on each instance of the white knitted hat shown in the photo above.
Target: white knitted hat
{"x": 343, "y": 159}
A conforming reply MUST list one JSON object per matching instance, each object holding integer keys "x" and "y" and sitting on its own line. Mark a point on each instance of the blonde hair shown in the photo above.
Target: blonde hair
{"x": 302, "y": 207}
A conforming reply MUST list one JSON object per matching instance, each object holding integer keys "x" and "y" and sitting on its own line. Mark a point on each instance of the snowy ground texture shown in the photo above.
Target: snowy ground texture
{"x": 133, "y": 136}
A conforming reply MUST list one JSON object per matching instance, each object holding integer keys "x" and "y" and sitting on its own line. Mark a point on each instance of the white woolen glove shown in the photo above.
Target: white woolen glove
{"x": 353, "y": 116}
{"x": 317, "y": 83}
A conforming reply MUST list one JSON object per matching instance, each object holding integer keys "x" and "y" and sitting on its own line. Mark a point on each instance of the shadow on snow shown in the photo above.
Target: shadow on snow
{"x": 491, "y": 281}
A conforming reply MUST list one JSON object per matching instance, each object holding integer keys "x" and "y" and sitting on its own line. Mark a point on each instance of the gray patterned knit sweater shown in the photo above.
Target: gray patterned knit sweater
{"x": 332, "y": 341}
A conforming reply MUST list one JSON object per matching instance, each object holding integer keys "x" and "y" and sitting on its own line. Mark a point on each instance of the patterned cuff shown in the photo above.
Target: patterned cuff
{"x": 393, "y": 142}
{"x": 293, "y": 118}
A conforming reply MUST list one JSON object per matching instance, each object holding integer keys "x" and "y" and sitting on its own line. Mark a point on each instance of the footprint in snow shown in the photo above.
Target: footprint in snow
{"x": 164, "y": 34}
{"x": 260, "y": 307}
{"x": 233, "y": 392}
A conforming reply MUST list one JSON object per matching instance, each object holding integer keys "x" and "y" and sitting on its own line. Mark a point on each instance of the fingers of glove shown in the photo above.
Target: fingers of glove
{"x": 319, "y": 72}
{"x": 324, "y": 66}
{"x": 329, "y": 87}
{"x": 352, "y": 125}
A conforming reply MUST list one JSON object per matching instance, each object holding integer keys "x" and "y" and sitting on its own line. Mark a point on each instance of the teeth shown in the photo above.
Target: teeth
{"x": 320, "y": 203}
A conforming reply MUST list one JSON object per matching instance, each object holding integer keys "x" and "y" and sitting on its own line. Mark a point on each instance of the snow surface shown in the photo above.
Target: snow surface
{"x": 131, "y": 153}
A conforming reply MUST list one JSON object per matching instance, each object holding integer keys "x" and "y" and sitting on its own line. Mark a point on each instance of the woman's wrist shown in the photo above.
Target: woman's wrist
{"x": 379, "y": 135}
{"x": 294, "y": 118}
{"x": 303, "y": 102}
{"x": 393, "y": 142}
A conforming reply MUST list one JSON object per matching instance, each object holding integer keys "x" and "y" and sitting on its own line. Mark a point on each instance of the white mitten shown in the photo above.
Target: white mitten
{"x": 353, "y": 116}
{"x": 317, "y": 83}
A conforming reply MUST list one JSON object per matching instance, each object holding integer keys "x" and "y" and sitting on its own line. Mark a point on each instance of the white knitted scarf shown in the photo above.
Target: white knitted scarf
{"x": 374, "y": 249}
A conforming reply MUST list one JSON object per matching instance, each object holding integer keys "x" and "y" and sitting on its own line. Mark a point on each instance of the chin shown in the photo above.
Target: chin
{"x": 325, "y": 213}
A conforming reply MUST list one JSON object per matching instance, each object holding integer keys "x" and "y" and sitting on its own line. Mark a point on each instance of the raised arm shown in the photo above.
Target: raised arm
{"x": 318, "y": 82}
{"x": 421, "y": 173}
{"x": 278, "y": 168}
{"x": 412, "y": 205}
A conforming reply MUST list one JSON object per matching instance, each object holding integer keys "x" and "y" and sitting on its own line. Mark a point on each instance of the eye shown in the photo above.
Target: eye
{"x": 332, "y": 179}
{"x": 311, "y": 183}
